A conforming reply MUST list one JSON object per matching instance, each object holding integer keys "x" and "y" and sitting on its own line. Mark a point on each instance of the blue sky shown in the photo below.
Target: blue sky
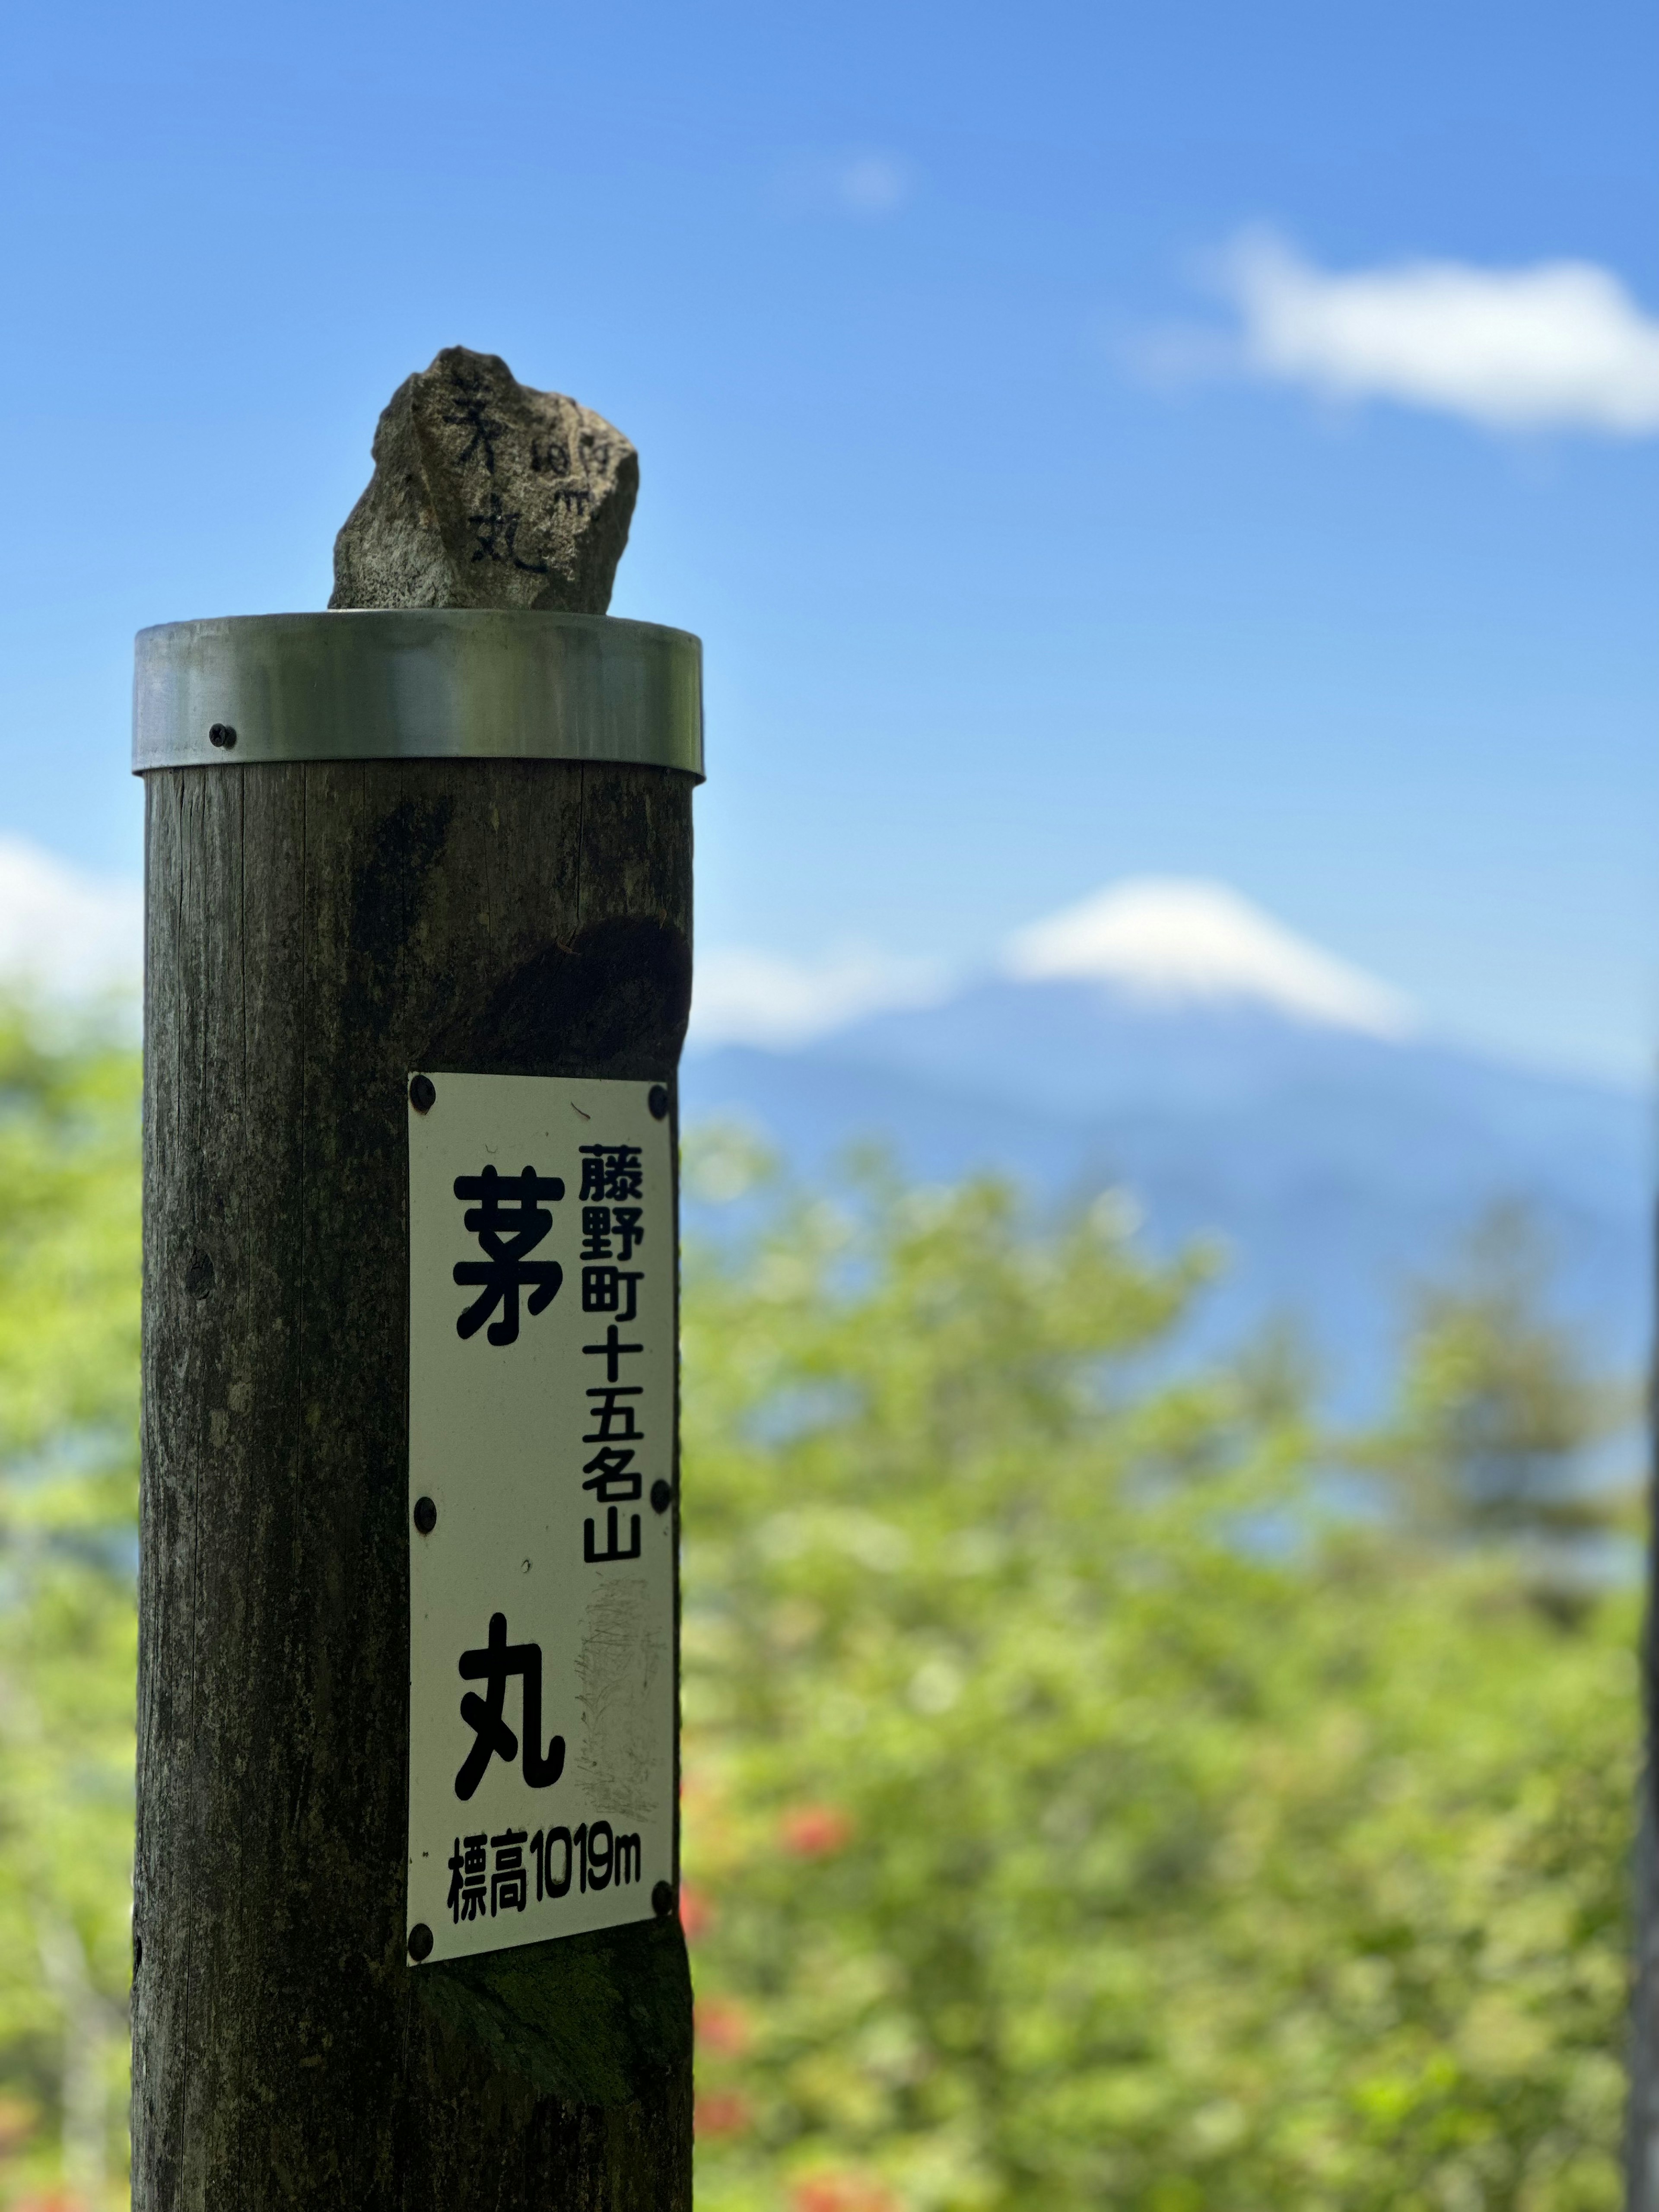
{"x": 996, "y": 610}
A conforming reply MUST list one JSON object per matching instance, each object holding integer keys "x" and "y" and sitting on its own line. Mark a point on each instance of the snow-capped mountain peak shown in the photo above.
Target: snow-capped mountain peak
{"x": 1172, "y": 940}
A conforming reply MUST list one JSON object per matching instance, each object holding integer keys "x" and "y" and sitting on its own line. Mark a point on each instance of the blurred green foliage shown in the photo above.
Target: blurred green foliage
{"x": 68, "y": 1375}
{"x": 1076, "y": 1814}
{"x": 1497, "y": 1406}
{"x": 1080, "y": 1809}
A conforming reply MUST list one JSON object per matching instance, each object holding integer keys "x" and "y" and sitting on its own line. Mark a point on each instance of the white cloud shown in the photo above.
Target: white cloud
{"x": 860, "y": 181}
{"x": 64, "y": 933}
{"x": 873, "y": 184}
{"x": 1168, "y": 940}
{"x": 1560, "y": 345}
{"x": 742, "y": 997}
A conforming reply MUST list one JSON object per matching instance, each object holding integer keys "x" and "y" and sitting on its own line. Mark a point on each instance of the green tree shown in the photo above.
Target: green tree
{"x": 1073, "y": 1818}
{"x": 69, "y": 1366}
{"x": 1499, "y": 1409}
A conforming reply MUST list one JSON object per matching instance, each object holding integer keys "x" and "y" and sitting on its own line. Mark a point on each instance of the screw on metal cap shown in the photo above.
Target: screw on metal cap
{"x": 222, "y": 735}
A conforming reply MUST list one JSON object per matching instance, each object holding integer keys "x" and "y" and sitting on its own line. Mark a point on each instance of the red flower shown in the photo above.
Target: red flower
{"x": 722, "y": 2112}
{"x": 695, "y": 1911}
{"x": 840, "y": 2192}
{"x": 814, "y": 1831}
{"x": 722, "y": 2026}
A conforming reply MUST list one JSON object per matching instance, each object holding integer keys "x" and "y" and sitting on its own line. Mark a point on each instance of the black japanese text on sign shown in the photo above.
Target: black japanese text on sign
{"x": 542, "y": 1472}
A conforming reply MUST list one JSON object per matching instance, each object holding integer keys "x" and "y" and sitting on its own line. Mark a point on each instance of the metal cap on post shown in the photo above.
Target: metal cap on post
{"x": 418, "y": 974}
{"x": 418, "y": 683}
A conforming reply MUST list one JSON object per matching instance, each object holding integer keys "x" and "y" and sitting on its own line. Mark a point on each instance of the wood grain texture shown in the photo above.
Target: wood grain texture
{"x": 314, "y": 932}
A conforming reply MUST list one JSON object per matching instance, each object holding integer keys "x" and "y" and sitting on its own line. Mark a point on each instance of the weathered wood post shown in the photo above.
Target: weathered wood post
{"x": 417, "y": 973}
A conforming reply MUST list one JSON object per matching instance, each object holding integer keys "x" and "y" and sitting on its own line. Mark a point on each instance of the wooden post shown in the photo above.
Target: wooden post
{"x": 315, "y": 929}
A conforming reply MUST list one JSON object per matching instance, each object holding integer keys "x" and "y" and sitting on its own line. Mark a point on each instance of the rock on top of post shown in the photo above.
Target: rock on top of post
{"x": 486, "y": 494}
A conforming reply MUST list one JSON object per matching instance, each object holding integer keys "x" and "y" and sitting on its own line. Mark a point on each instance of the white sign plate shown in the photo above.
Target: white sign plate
{"x": 541, "y": 1431}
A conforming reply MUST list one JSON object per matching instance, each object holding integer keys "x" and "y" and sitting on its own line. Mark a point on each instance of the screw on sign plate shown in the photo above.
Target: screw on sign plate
{"x": 422, "y": 1094}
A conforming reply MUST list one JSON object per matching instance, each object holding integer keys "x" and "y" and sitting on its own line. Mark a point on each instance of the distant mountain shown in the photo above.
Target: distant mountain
{"x": 1169, "y": 1039}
